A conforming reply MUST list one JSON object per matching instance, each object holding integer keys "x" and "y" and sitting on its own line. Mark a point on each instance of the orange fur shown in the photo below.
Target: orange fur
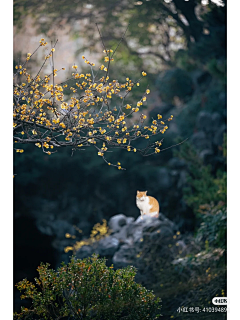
{"x": 148, "y": 205}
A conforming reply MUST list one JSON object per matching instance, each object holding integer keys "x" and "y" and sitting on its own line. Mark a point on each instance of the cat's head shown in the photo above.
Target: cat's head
{"x": 141, "y": 195}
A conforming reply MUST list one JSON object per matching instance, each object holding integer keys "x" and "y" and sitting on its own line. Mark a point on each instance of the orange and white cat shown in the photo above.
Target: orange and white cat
{"x": 148, "y": 205}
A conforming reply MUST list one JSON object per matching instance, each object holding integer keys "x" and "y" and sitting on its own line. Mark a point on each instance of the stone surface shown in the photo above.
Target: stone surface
{"x": 117, "y": 221}
{"x": 218, "y": 137}
{"x": 124, "y": 256}
{"x": 176, "y": 163}
{"x": 84, "y": 252}
{"x": 204, "y": 121}
{"x": 108, "y": 246}
{"x": 217, "y": 120}
{"x": 200, "y": 140}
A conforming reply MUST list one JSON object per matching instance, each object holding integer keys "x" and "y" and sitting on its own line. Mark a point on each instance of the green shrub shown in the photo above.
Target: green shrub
{"x": 203, "y": 186}
{"x": 213, "y": 228}
{"x": 87, "y": 289}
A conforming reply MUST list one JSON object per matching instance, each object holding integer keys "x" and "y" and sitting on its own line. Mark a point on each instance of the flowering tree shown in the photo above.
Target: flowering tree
{"x": 95, "y": 114}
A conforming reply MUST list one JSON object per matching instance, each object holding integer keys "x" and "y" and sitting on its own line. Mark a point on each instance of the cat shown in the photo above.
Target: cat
{"x": 148, "y": 205}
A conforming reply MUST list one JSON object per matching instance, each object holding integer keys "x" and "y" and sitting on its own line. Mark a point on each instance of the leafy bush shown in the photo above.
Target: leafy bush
{"x": 87, "y": 289}
{"x": 203, "y": 185}
{"x": 213, "y": 228}
{"x": 183, "y": 272}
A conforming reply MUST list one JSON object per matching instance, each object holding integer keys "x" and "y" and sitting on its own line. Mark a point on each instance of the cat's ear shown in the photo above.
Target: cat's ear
{"x": 146, "y": 192}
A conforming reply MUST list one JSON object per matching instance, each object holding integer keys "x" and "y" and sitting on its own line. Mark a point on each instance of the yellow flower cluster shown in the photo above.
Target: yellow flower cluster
{"x": 87, "y": 117}
{"x": 43, "y": 42}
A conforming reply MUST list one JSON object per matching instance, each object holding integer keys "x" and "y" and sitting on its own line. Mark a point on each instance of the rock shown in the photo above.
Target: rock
{"x": 108, "y": 246}
{"x": 182, "y": 179}
{"x": 207, "y": 156}
{"x": 200, "y": 140}
{"x": 84, "y": 252}
{"x": 218, "y": 137}
{"x": 130, "y": 219}
{"x": 204, "y": 121}
{"x": 124, "y": 256}
{"x": 181, "y": 245}
{"x": 176, "y": 163}
{"x": 162, "y": 233}
{"x": 217, "y": 120}
{"x": 152, "y": 226}
{"x": 135, "y": 229}
{"x": 166, "y": 222}
{"x": 121, "y": 235}
{"x": 127, "y": 239}
{"x": 116, "y": 222}
{"x": 174, "y": 177}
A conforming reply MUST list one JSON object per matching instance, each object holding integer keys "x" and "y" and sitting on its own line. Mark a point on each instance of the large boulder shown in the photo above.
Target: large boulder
{"x": 125, "y": 256}
{"x": 204, "y": 121}
{"x": 128, "y": 237}
{"x": 201, "y": 141}
{"x": 116, "y": 222}
{"x": 108, "y": 246}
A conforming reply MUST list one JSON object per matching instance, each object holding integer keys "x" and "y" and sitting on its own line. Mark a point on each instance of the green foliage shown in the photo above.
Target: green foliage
{"x": 182, "y": 275}
{"x": 87, "y": 289}
{"x": 206, "y": 193}
{"x": 213, "y": 228}
{"x": 203, "y": 187}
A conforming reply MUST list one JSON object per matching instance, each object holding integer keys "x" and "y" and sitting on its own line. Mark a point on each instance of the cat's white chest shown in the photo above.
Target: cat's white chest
{"x": 143, "y": 205}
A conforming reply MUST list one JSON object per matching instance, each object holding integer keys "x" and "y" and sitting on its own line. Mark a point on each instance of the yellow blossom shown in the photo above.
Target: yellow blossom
{"x": 144, "y": 73}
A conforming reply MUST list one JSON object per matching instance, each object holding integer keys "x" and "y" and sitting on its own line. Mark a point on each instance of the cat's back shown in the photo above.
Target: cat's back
{"x": 154, "y": 204}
